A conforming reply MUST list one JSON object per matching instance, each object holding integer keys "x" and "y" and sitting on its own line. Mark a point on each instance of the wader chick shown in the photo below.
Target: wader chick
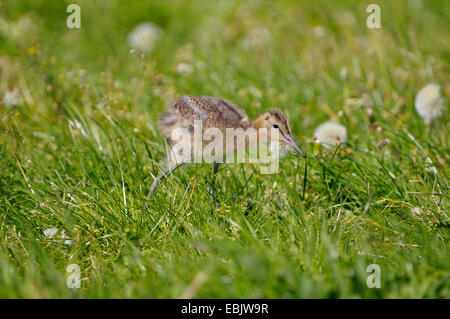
{"x": 212, "y": 112}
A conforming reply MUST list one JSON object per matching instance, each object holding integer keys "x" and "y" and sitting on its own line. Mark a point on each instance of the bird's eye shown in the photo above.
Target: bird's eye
{"x": 275, "y": 126}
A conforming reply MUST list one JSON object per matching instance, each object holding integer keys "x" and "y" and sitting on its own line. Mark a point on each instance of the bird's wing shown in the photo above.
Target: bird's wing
{"x": 190, "y": 107}
{"x": 210, "y": 108}
{"x": 230, "y": 110}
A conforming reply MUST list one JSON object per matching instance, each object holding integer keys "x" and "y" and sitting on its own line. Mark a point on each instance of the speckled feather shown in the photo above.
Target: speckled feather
{"x": 212, "y": 111}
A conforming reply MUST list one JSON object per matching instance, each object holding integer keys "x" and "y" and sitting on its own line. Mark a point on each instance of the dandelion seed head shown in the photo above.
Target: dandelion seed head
{"x": 184, "y": 67}
{"x": 256, "y": 38}
{"x": 144, "y": 36}
{"x": 331, "y": 133}
{"x": 429, "y": 102}
{"x": 319, "y": 31}
{"x": 11, "y": 97}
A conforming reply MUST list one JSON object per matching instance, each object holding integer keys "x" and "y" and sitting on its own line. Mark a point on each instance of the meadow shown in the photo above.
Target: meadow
{"x": 80, "y": 146}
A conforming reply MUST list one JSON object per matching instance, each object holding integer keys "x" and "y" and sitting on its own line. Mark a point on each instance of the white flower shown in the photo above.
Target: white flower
{"x": 365, "y": 100}
{"x": 429, "y": 102}
{"x": 184, "y": 67}
{"x": 51, "y": 232}
{"x": 16, "y": 30}
{"x": 11, "y": 97}
{"x": 431, "y": 168}
{"x": 319, "y": 31}
{"x": 331, "y": 133}
{"x": 416, "y": 211}
{"x": 254, "y": 92}
{"x": 144, "y": 36}
{"x": 346, "y": 17}
{"x": 256, "y": 38}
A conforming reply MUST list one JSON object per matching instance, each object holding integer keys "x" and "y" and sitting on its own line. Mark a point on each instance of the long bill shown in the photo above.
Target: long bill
{"x": 290, "y": 141}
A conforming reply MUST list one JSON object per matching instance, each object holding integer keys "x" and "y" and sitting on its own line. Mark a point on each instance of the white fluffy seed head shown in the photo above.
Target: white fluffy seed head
{"x": 11, "y": 97}
{"x": 144, "y": 36}
{"x": 184, "y": 67}
{"x": 257, "y": 37}
{"x": 429, "y": 102}
{"x": 331, "y": 134}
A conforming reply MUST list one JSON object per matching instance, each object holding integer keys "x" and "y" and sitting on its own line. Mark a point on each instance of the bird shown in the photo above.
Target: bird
{"x": 213, "y": 113}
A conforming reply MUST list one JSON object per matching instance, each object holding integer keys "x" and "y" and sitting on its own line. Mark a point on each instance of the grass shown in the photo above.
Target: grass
{"x": 81, "y": 149}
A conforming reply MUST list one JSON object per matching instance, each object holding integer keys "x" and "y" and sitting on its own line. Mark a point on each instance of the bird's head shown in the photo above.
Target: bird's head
{"x": 277, "y": 120}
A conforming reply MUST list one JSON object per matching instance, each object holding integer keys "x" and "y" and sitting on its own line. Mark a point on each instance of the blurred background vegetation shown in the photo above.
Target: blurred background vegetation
{"x": 79, "y": 145}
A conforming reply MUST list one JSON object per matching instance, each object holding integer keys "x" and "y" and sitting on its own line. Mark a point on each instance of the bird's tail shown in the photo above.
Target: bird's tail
{"x": 167, "y": 123}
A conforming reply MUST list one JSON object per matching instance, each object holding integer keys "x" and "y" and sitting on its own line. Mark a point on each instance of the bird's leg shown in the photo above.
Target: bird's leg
{"x": 158, "y": 180}
{"x": 211, "y": 187}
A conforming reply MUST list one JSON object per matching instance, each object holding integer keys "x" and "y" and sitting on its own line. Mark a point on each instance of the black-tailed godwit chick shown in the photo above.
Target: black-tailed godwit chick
{"x": 213, "y": 113}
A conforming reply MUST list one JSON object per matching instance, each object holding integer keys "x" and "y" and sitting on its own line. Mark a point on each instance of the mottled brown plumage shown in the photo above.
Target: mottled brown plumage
{"x": 212, "y": 111}
{"x": 217, "y": 113}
